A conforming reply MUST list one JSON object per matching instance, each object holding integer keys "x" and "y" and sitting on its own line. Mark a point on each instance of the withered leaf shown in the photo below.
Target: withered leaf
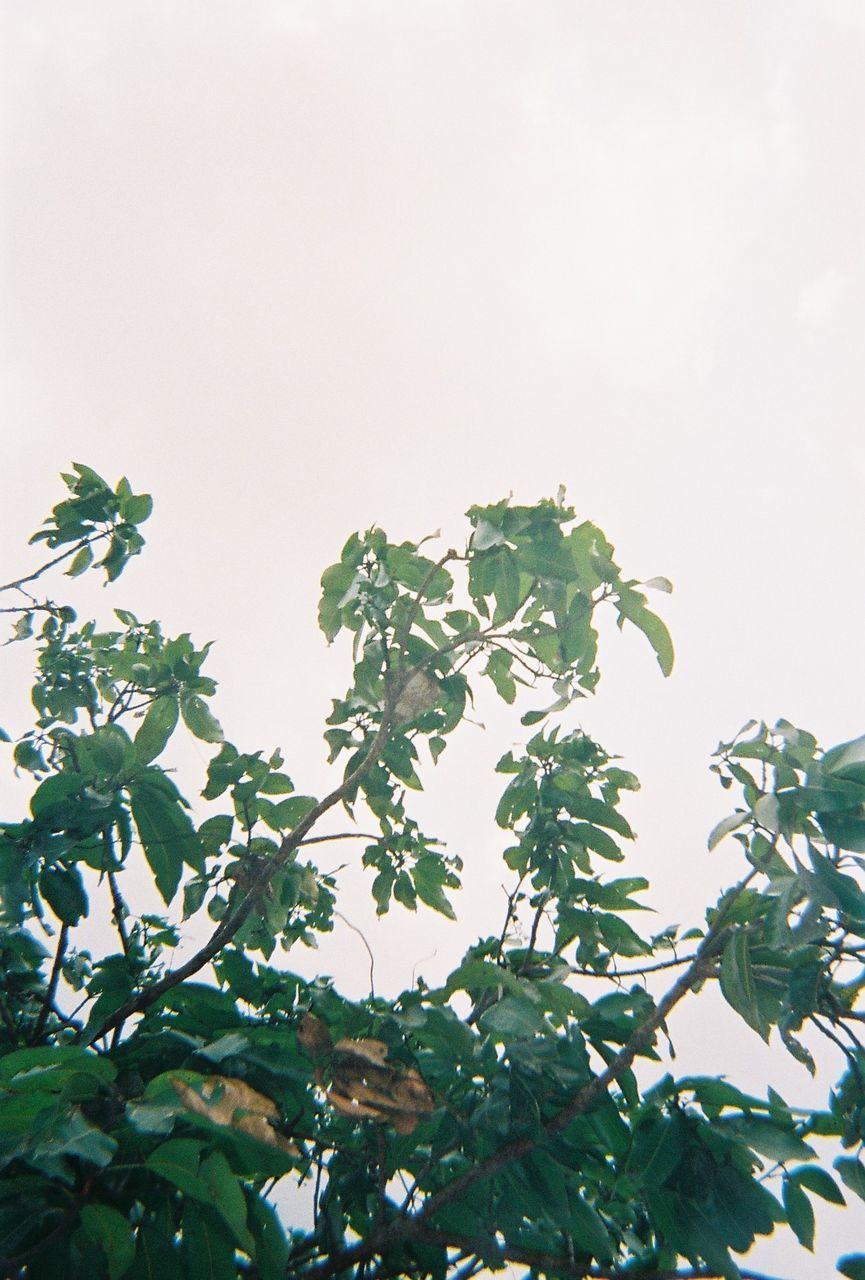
{"x": 365, "y": 1086}
{"x": 372, "y": 1051}
{"x": 227, "y": 1101}
{"x": 313, "y": 1036}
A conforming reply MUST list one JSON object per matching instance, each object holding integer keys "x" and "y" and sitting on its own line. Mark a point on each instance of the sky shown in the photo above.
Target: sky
{"x": 300, "y": 268}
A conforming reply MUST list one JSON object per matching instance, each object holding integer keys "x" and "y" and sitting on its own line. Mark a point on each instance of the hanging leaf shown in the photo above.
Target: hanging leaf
{"x": 156, "y": 728}
{"x": 200, "y": 720}
{"x": 737, "y": 983}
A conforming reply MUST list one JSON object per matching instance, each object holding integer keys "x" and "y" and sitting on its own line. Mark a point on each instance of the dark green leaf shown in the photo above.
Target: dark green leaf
{"x": 63, "y": 890}
{"x": 769, "y": 1138}
{"x": 852, "y": 1174}
{"x": 657, "y": 1149}
{"x": 271, "y": 1246}
{"x": 737, "y": 982}
{"x": 166, "y": 832}
{"x": 156, "y": 728}
{"x": 208, "y": 1250}
{"x": 589, "y": 1231}
{"x": 725, "y": 826}
{"x": 226, "y": 1196}
{"x": 800, "y": 1213}
{"x": 112, "y": 1232}
{"x": 819, "y": 1181}
{"x": 429, "y": 875}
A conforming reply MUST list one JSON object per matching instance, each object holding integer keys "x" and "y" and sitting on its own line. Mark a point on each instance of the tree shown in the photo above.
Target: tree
{"x": 515, "y": 1114}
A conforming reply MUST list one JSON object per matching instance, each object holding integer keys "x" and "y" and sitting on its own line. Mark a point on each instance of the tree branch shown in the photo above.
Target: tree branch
{"x": 636, "y": 972}
{"x": 31, "y": 577}
{"x": 48, "y": 1001}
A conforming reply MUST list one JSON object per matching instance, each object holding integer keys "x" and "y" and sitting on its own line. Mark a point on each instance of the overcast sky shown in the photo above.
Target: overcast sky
{"x": 299, "y": 268}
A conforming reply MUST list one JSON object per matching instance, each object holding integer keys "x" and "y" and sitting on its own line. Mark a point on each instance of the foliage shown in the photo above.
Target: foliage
{"x": 515, "y": 1114}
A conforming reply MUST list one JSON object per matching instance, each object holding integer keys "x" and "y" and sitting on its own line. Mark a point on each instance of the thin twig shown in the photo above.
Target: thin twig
{"x": 342, "y": 835}
{"x": 629, "y": 973}
{"x": 48, "y": 1001}
{"x": 31, "y": 577}
{"x": 533, "y": 936}
{"x": 355, "y": 929}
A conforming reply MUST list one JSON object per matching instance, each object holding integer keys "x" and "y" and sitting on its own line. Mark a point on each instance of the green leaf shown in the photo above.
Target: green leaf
{"x": 63, "y": 890}
{"x": 166, "y": 832}
{"x": 227, "y": 1196}
{"x": 429, "y": 874}
{"x": 215, "y": 832}
{"x": 498, "y": 668}
{"x": 200, "y": 720}
{"x": 177, "y": 1161}
{"x": 208, "y": 1251}
{"x": 852, "y": 1265}
{"x": 155, "y": 1258}
{"x": 513, "y": 1017}
{"x": 737, "y": 983}
{"x": 819, "y": 1181}
{"x": 81, "y": 561}
{"x": 770, "y": 1139}
{"x": 657, "y": 1150}
{"x": 800, "y": 1213}
{"x": 137, "y": 508}
{"x": 23, "y": 628}
{"x": 156, "y": 728}
{"x": 852, "y": 1174}
{"x": 271, "y": 1246}
{"x": 844, "y": 889}
{"x": 112, "y": 1232}
{"x": 49, "y": 1067}
{"x": 731, "y": 823}
{"x": 589, "y": 1231}
{"x": 533, "y": 717}
{"x": 631, "y": 606}
{"x": 283, "y": 815}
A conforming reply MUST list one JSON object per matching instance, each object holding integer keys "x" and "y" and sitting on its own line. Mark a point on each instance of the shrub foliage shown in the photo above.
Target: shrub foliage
{"x": 153, "y": 1105}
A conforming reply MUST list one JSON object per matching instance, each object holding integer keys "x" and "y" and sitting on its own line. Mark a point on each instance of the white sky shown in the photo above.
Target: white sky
{"x": 299, "y": 268}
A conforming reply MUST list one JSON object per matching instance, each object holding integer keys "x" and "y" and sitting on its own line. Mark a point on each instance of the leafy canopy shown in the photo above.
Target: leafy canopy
{"x": 151, "y": 1112}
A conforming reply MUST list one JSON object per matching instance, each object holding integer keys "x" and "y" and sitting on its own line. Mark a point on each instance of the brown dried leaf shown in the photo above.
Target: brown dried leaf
{"x": 372, "y": 1051}
{"x": 348, "y": 1106}
{"x": 403, "y": 1122}
{"x": 227, "y": 1101}
{"x": 411, "y": 1093}
{"x": 313, "y": 1036}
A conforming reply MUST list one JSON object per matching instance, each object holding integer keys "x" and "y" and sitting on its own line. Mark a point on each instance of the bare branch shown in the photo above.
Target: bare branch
{"x": 31, "y": 577}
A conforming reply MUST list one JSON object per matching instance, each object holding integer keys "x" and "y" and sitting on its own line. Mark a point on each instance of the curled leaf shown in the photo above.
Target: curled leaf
{"x": 366, "y": 1086}
{"x": 227, "y": 1101}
